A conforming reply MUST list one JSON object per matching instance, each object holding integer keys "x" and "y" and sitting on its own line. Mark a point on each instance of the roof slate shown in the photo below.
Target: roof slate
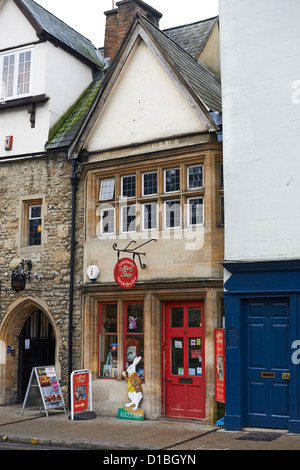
{"x": 61, "y": 32}
{"x": 192, "y": 37}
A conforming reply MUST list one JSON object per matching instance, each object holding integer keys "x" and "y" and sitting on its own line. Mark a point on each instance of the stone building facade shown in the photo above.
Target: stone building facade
{"x": 27, "y": 183}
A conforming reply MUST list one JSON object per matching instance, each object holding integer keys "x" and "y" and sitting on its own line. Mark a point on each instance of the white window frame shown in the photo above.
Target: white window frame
{"x": 102, "y": 188}
{"x": 165, "y": 181}
{"x": 189, "y": 224}
{"x": 187, "y": 177}
{"x": 102, "y": 218}
{"x": 122, "y": 182}
{"x": 165, "y": 213}
{"x": 149, "y": 173}
{"x": 16, "y": 53}
{"x": 143, "y": 216}
{"x": 133, "y": 206}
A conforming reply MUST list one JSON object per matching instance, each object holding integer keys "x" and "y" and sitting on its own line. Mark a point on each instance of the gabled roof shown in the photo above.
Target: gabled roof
{"x": 203, "y": 82}
{"x": 193, "y": 37}
{"x": 204, "y": 87}
{"x": 50, "y": 27}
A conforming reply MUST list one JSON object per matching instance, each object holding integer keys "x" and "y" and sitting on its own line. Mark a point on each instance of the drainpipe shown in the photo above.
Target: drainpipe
{"x": 72, "y": 255}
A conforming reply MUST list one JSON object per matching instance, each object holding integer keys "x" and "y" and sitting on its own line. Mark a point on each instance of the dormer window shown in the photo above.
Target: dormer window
{"x": 15, "y": 73}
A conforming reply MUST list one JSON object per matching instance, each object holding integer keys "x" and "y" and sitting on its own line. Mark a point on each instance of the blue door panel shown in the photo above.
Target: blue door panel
{"x": 265, "y": 353}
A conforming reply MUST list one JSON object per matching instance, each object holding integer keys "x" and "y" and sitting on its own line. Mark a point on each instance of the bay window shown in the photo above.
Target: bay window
{"x": 15, "y": 73}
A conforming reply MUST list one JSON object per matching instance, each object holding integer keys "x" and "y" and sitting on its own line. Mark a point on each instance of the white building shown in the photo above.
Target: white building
{"x": 260, "y": 54}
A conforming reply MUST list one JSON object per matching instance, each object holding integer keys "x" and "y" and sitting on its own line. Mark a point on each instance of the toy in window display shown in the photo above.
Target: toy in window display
{"x": 134, "y": 386}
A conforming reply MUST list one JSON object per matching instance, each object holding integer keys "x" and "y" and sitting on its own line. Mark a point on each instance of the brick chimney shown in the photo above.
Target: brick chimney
{"x": 119, "y": 20}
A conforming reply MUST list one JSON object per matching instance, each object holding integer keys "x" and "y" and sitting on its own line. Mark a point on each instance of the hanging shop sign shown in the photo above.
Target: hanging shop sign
{"x": 126, "y": 273}
{"x": 81, "y": 394}
{"x": 220, "y": 365}
{"x": 45, "y": 379}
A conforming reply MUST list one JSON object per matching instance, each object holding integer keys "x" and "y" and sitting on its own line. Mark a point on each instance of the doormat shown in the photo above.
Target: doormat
{"x": 259, "y": 436}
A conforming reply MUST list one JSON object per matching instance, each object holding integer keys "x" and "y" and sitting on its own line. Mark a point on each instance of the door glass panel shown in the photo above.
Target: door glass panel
{"x": 177, "y": 317}
{"x": 177, "y": 356}
{"x": 194, "y": 317}
{"x": 195, "y": 356}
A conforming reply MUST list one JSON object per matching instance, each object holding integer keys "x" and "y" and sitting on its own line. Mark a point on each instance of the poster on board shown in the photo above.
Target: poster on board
{"x": 220, "y": 365}
{"x": 45, "y": 378}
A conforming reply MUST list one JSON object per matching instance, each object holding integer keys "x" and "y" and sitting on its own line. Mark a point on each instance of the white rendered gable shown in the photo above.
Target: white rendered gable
{"x": 144, "y": 104}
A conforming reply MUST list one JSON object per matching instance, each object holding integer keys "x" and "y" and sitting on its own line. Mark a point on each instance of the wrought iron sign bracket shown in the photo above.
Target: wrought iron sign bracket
{"x": 133, "y": 251}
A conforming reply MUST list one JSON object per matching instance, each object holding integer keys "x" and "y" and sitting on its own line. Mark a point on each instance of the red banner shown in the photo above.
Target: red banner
{"x": 80, "y": 391}
{"x": 220, "y": 365}
{"x": 126, "y": 273}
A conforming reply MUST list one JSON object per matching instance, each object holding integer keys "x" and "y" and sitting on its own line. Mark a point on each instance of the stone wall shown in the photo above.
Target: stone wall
{"x": 47, "y": 180}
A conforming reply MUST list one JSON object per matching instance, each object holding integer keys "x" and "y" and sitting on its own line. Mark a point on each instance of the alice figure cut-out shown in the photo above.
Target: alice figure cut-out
{"x": 134, "y": 386}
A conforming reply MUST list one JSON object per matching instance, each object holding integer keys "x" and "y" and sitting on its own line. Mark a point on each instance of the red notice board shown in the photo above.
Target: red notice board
{"x": 220, "y": 365}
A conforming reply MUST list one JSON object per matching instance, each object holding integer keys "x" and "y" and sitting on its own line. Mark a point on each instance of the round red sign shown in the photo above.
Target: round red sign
{"x": 126, "y": 273}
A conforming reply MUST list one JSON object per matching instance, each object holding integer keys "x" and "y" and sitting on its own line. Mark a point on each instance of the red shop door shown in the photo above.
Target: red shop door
{"x": 184, "y": 360}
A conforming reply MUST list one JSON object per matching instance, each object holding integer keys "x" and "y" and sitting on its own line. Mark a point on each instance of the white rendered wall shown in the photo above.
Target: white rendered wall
{"x": 260, "y": 59}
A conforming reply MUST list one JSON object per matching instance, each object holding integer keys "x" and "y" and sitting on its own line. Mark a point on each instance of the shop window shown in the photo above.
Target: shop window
{"x": 134, "y": 335}
{"x": 108, "y": 340}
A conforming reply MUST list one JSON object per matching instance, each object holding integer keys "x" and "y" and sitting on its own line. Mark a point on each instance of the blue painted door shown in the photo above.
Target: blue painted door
{"x": 266, "y": 363}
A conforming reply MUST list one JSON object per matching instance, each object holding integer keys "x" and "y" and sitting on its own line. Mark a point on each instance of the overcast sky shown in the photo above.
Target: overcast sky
{"x": 88, "y": 18}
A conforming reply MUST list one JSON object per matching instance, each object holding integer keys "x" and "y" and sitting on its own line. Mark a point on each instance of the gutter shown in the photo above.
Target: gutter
{"x": 74, "y": 180}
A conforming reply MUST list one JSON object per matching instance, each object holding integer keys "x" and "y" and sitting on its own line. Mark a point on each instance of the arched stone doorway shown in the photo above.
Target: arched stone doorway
{"x": 26, "y": 316}
{"x": 36, "y": 348}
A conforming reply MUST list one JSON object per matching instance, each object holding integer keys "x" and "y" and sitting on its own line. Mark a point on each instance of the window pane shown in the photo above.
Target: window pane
{"x": 128, "y": 186}
{"x": 107, "y": 189}
{"x": 195, "y": 356}
{"x": 108, "y": 221}
{"x": 35, "y": 225}
{"x": 24, "y": 73}
{"x": 177, "y": 366}
{"x": 135, "y": 348}
{"x": 172, "y": 214}
{"x": 128, "y": 219}
{"x": 195, "y": 214}
{"x": 195, "y": 177}
{"x": 135, "y": 318}
{"x": 8, "y": 76}
{"x": 176, "y": 317}
{"x": 149, "y": 216}
{"x": 108, "y": 318}
{"x": 194, "y": 317}
{"x": 172, "y": 180}
{"x": 149, "y": 183}
{"x": 108, "y": 356}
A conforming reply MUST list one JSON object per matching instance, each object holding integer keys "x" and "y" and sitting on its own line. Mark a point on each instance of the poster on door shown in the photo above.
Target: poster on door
{"x": 220, "y": 365}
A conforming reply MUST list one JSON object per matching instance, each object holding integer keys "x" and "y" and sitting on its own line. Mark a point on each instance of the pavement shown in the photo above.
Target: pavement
{"x": 164, "y": 436}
